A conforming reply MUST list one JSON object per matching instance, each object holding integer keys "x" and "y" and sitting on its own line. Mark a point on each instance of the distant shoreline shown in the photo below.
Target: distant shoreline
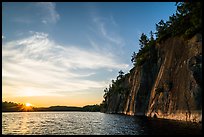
{"x": 55, "y": 111}
{"x": 14, "y": 107}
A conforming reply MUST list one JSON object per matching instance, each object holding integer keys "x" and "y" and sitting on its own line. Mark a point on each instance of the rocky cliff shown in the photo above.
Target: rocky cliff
{"x": 167, "y": 85}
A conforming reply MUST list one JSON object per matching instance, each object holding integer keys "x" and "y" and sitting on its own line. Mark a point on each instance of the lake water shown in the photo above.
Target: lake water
{"x": 90, "y": 123}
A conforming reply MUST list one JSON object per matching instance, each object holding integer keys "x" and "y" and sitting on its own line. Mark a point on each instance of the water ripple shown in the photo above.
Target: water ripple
{"x": 85, "y": 123}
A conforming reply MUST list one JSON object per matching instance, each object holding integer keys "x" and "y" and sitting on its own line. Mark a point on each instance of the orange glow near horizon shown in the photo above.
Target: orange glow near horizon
{"x": 47, "y": 101}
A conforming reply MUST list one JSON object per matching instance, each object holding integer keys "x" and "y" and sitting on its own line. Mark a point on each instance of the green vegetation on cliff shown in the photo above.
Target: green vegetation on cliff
{"x": 185, "y": 23}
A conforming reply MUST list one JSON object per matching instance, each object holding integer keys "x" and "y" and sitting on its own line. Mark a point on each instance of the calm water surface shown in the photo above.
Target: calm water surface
{"x": 90, "y": 123}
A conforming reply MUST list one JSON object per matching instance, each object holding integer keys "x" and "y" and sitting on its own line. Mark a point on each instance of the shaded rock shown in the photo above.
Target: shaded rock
{"x": 166, "y": 86}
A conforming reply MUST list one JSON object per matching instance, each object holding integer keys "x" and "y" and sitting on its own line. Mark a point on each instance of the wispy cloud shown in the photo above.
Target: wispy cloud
{"x": 3, "y": 37}
{"x": 107, "y": 37}
{"x": 46, "y": 13}
{"x": 44, "y": 21}
{"x": 105, "y": 27}
{"x": 113, "y": 20}
{"x": 49, "y": 9}
{"x": 39, "y": 65}
{"x": 23, "y": 20}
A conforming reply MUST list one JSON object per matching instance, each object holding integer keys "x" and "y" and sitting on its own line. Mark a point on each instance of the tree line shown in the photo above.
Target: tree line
{"x": 19, "y": 107}
{"x": 186, "y": 22}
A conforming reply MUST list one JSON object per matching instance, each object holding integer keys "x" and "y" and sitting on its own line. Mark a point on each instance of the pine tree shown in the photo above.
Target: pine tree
{"x": 143, "y": 40}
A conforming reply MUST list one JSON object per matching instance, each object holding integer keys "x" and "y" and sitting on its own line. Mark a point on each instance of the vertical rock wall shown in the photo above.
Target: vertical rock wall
{"x": 168, "y": 88}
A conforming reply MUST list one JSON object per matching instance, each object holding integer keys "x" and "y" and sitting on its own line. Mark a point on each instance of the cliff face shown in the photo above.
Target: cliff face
{"x": 168, "y": 86}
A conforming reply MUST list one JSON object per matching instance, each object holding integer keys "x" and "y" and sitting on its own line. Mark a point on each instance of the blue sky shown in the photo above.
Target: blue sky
{"x": 71, "y": 50}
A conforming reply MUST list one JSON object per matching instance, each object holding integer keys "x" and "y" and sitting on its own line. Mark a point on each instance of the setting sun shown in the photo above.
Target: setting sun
{"x": 28, "y": 104}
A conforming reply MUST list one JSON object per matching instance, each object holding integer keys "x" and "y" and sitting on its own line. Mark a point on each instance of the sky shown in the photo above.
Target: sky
{"x": 67, "y": 53}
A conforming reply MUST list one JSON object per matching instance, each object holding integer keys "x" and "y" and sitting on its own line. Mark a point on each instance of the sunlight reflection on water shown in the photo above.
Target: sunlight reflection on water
{"x": 85, "y": 123}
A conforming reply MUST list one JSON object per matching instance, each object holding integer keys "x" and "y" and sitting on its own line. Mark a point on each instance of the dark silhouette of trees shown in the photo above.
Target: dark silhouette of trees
{"x": 186, "y": 22}
{"x": 117, "y": 86}
{"x": 151, "y": 36}
{"x": 92, "y": 108}
{"x": 161, "y": 29}
{"x": 17, "y": 107}
{"x": 120, "y": 76}
{"x": 105, "y": 93}
{"x": 143, "y": 40}
{"x": 14, "y": 107}
{"x": 133, "y": 58}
